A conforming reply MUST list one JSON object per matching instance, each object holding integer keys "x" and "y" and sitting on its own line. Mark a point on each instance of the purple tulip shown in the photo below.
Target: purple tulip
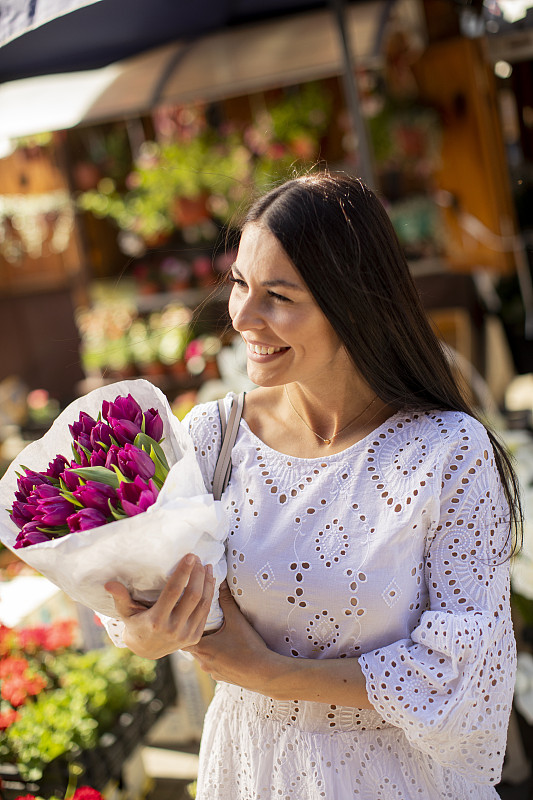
{"x": 85, "y": 519}
{"x": 35, "y": 537}
{"x": 123, "y": 408}
{"x": 98, "y": 458}
{"x": 53, "y": 511}
{"x": 26, "y": 511}
{"x": 133, "y": 462}
{"x": 124, "y": 431}
{"x": 85, "y": 424}
{"x": 100, "y": 436}
{"x": 70, "y": 479}
{"x": 136, "y": 497}
{"x": 84, "y": 440}
{"x": 29, "y": 480}
{"x": 29, "y": 535}
{"x": 112, "y": 457}
{"x": 97, "y": 495}
{"x": 84, "y": 461}
{"x": 44, "y": 491}
{"x": 23, "y": 513}
{"x": 56, "y": 467}
{"x": 30, "y": 527}
{"x": 153, "y": 424}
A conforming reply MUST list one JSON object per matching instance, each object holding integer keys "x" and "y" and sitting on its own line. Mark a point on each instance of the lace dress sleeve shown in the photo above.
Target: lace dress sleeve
{"x": 450, "y": 686}
{"x": 203, "y": 423}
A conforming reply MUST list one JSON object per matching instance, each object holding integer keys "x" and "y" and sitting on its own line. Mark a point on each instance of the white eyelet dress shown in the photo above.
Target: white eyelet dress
{"x": 392, "y": 552}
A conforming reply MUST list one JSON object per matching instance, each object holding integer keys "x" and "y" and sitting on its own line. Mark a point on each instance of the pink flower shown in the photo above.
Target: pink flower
{"x": 70, "y": 479}
{"x": 53, "y": 511}
{"x": 7, "y": 718}
{"x": 57, "y": 501}
{"x": 101, "y": 436}
{"x": 87, "y": 793}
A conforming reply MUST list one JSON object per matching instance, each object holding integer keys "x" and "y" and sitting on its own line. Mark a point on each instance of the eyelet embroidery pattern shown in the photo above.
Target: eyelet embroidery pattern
{"x": 393, "y": 552}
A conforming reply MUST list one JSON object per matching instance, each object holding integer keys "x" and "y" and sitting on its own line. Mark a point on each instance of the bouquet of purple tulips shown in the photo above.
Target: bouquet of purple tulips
{"x": 126, "y": 503}
{"x": 117, "y": 471}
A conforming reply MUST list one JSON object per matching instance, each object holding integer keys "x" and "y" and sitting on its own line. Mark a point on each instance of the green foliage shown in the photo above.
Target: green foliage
{"x": 222, "y": 166}
{"x": 89, "y": 692}
{"x": 524, "y": 606}
{"x": 55, "y": 724}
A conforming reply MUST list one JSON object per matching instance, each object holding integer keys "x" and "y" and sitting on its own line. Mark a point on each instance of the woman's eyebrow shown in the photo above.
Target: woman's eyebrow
{"x": 274, "y": 282}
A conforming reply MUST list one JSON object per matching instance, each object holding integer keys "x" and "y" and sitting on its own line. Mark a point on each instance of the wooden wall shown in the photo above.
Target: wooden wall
{"x": 40, "y": 281}
{"x": 454, "y": 75}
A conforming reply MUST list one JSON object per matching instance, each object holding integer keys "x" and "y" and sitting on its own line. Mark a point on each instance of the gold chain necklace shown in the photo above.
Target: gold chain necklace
{"x": 330, "y": 440}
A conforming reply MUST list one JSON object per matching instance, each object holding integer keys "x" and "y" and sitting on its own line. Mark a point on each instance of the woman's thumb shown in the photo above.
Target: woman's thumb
{"x": 225, "y": 596}
{"x": 120, "y": 595}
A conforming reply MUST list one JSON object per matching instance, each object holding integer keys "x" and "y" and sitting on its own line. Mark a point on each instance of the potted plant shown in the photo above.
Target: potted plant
{"x": 61, "y": 706}
{"x": 201, "y": 172}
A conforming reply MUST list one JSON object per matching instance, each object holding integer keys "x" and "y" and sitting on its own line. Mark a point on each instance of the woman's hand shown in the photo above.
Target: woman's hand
{"x": 176, "y": 620}
{"x": 235, "y": 653}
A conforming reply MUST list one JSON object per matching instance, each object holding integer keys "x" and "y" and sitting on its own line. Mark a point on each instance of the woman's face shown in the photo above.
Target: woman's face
{"x": 288, "y": 337}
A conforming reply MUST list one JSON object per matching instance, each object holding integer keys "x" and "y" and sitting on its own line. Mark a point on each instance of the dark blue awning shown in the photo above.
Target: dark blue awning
{"x": 40, "y": 37}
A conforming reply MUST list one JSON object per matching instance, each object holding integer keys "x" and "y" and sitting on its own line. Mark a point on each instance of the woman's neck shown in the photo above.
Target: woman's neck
{"x": 299, "y": 422}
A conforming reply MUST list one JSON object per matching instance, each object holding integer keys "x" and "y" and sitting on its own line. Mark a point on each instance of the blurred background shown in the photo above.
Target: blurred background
{"x": 132, "y": 137}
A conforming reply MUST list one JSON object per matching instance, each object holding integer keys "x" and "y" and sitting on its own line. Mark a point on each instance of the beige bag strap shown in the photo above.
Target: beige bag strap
{"x": 229, "y": 434}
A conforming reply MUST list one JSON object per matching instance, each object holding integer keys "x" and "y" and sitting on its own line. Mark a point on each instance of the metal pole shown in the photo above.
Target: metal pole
{"x": 351, "y": 92}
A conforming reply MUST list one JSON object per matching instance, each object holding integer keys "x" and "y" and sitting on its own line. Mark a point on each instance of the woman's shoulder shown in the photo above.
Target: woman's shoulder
{"x": 443, "y": 430}
{"x": 203, "y": 424}
{"x": 449, "y": 424}
{"x": 206, "y": 416}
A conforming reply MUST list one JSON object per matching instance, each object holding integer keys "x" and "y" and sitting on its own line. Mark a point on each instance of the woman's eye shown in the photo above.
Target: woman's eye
{"x": 279, "y": 297}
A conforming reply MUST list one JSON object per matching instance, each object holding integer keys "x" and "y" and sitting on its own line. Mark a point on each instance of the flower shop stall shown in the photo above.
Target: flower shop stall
{"x": 65, "y": 712}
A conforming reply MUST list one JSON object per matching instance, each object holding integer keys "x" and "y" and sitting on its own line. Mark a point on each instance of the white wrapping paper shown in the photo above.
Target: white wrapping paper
{"x": 139, "y": 551}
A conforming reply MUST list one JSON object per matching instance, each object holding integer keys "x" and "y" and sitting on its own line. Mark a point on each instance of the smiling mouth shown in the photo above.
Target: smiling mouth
{"x": 263, "y": 350}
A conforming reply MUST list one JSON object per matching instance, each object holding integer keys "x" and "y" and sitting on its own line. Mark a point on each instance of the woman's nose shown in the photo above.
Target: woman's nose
{"x": 245, "y": 314}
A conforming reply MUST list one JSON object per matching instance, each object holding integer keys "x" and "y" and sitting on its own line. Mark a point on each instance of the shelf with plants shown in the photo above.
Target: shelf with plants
{"x": 202, "y": 165}
{"x": 173, "y": 208}
{"x": 171, "y": 338}
{"x": 63, "y": 709}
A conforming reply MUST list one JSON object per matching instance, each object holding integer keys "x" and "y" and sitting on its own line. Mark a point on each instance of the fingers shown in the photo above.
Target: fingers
{"x": 198, "y": 616}
{"x": 180, "y": 613}
{"x": 124, "y": 604}
{"x": 184, "y": 585}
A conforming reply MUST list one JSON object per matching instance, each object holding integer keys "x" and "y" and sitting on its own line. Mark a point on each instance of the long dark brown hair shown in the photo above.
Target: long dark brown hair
{"x": 339, "y": 237}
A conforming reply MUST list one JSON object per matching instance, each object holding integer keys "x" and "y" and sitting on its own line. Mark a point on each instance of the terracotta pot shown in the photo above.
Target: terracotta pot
{"x": 86, "y": 175}
{"x": 189, "y": 211}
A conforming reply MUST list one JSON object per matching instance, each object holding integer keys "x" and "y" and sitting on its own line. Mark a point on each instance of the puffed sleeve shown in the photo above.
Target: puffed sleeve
{"x": 203, "y": 424}
{"x": 450, "y": 686}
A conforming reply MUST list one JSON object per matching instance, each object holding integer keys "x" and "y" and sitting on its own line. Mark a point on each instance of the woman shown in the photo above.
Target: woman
{"x": 367, "y": 649}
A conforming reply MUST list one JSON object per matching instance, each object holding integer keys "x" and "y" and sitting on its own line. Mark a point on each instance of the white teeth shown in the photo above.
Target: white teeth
{"x": 264, "y": 351}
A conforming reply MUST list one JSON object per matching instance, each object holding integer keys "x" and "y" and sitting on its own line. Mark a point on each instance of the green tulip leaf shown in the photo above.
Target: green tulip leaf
{"x": 148, "y": 444}
{"x": 99, "y": 474}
